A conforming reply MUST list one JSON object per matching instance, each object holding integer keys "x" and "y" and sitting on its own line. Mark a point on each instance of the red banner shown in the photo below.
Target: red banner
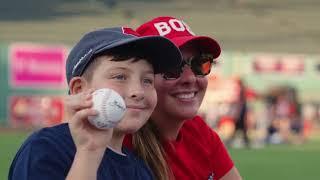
{"x": 35, "y": 111}
{"x": 285, "y": 64}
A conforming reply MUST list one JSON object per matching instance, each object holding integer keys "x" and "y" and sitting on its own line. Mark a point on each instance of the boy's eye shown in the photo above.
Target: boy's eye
{"x": 119, "y": 77}
{"x": 148, "y": 81}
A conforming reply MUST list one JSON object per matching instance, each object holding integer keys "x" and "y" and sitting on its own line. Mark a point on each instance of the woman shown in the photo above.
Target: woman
{"x": 190, "y": 147}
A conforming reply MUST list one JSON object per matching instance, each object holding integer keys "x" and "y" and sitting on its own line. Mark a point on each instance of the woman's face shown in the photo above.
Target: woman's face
{"x": 134, "y": 81}
{"x": 180, "y": 98}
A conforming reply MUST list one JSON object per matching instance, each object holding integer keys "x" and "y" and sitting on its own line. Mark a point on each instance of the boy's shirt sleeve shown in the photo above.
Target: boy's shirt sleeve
{"x": 39, "y": 159}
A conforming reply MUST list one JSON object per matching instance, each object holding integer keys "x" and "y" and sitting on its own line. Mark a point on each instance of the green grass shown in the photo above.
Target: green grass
{"x": 279, "y": 162}
{"x": 294, "y": 162}
{"x": 9, "y": 144}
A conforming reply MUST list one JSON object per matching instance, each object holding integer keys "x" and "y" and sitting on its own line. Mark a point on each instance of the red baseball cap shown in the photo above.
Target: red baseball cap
{"x": 179, "y": 33}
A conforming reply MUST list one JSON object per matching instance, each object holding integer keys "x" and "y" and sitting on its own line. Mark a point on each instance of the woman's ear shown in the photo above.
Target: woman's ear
{"x": 77, "y": 85}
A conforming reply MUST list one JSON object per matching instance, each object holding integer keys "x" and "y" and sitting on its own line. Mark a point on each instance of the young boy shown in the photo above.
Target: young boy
{"x": 113, "y": 58}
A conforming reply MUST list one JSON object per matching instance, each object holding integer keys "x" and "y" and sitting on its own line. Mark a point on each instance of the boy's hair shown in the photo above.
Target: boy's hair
{"x": 122, "y": 53}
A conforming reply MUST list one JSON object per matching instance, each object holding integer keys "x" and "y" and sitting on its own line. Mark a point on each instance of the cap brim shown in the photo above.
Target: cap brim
{"x": 206, "y": 43}
{"x": 162, "y": 53}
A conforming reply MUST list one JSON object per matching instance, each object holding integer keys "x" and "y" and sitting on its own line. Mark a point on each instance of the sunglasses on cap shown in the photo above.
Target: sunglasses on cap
{"x": 200, "y": 66}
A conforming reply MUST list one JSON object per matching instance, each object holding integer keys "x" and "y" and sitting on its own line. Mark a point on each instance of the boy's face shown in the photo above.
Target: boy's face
{"x": 134, "y": 81}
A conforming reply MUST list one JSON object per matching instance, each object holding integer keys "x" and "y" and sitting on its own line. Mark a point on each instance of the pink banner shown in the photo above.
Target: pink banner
{"x": 37, "y": 66}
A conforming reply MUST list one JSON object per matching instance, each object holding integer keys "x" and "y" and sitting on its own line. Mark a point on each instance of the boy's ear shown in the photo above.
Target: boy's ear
{"x": 77, "y": 85}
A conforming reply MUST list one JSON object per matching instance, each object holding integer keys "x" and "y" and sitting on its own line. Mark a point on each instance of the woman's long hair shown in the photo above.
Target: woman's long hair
{"x": 147, "y": 144}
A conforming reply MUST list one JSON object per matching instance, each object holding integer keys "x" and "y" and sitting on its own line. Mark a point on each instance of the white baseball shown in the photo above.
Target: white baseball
{"x": 111, "y": 108}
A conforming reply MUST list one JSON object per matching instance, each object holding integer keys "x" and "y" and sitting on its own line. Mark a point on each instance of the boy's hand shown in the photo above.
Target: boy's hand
{"x": 76, "y": 102}
{"x": 85, "y": 136}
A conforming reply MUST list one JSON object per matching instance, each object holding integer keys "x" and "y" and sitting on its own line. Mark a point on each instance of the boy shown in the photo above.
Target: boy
{"x": 113, "y": 58}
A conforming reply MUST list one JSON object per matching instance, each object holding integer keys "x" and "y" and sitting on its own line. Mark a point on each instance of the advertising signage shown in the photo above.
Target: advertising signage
{"x": 37, "y": 66}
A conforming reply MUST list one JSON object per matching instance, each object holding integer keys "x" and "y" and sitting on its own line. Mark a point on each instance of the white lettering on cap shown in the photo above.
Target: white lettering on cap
{"x": 162, "y": 28}
{"x": 174, "y": 22}
{"x": 165, "y": 28}
{"x": 188, "y": 28}
{"x": 80, "y": 61}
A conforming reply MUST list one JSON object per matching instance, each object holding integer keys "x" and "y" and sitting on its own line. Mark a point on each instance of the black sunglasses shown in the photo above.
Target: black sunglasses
{"x": 200, "y": 66}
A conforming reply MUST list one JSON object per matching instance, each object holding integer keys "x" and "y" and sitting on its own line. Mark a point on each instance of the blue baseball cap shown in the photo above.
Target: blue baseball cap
{"x": 162, "y": 53}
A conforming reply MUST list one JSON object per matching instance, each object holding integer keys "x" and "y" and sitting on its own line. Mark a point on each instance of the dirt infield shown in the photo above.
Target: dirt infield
{"x": 5, "y": 130}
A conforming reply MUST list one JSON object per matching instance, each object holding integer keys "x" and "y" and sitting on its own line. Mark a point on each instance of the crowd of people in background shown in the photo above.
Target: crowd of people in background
{"x": 274, "y": 117}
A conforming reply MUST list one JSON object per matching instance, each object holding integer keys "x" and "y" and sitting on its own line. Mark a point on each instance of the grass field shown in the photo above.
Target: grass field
{"x": 283, "y": 162}
{"x": 9, "y": 144}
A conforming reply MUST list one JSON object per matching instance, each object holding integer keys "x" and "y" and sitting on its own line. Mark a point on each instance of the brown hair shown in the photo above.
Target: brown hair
{"x": 147, "y": 144}
{"x": 121, "y": 53}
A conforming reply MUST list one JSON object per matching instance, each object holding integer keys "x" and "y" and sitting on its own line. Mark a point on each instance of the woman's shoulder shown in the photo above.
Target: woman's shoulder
{"x": 198, "y": 128}
{"x": 197, "y": 123}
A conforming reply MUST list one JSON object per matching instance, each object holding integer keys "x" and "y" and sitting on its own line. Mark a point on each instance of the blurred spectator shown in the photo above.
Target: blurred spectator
{"x": 241, "y": 115}
{"x": 309, "y": 116}
{"x": 286, "y": 123}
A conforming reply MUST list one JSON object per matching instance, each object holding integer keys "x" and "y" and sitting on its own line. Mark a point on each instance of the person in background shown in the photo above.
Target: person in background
{"x": 241, "y": 107}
